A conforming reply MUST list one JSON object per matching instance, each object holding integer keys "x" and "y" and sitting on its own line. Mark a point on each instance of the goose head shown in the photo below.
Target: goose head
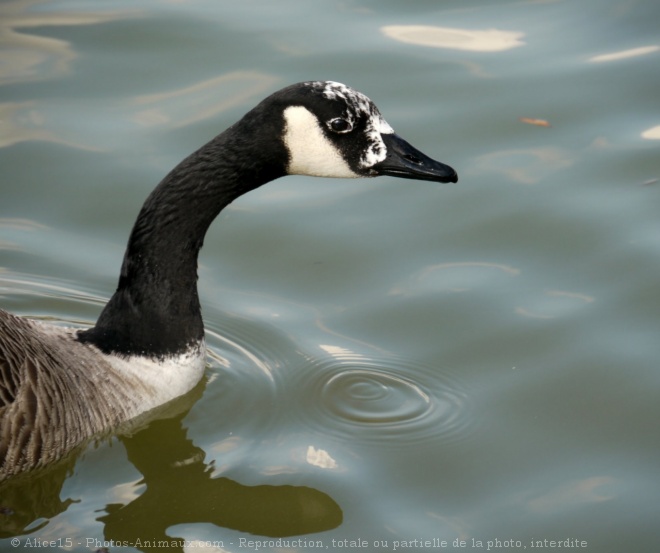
{"x": 332, "y": 130}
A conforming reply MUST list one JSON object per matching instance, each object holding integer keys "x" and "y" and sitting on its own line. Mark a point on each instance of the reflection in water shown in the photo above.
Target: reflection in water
{"x": 625, "y": 54}
{"x": 594, "y": 489}
{"x": 29, "y": 57}
{"x": 10, "y": 225}
{"x": 29, "y": 501}
{"x": 320, "y": 458}
{"x": 457, "y": 276}
{"x": 201, "y": 101}
{"x": 35, "y": 286}
{"x": 178, "y": 488}
{"x": 554, "y": 303}
{"x": 524, "y": 165}
{"x": 652, "y": 134}
{"x": 19, "y": 122}
{"x": 489, "y": 40}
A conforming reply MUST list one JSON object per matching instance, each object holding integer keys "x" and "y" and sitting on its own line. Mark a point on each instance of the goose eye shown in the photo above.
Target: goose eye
{"x": 340, "y": 125}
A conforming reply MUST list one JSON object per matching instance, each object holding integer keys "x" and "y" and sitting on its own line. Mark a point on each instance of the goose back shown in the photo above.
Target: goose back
{"x": 50, "y": 405}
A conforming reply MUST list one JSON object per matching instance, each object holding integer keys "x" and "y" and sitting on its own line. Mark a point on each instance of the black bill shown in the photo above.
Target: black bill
{"x": 405, "y": 161}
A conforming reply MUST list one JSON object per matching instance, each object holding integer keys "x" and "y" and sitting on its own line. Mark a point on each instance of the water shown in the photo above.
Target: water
{"x": 391, "y": 360}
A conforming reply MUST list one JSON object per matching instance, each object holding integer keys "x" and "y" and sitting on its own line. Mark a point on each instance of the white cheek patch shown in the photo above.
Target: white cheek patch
{"x": 310, "y": 152}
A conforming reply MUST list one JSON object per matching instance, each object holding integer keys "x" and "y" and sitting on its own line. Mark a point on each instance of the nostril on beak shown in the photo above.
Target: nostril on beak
{"x": 413, "y": 159}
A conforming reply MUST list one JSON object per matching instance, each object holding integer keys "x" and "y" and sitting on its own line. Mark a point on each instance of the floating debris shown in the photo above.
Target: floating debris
{"x": 537, "y": 122}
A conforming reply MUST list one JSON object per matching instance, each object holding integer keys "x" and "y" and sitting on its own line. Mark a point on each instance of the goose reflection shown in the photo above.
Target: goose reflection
{"x": 178, "y": 489}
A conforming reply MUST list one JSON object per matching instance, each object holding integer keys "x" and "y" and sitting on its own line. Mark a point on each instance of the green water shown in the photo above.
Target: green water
{"x": 393, "y": 363}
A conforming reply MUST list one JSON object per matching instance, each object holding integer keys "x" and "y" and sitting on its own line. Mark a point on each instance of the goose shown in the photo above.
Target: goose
{"x": 59, "y": 386}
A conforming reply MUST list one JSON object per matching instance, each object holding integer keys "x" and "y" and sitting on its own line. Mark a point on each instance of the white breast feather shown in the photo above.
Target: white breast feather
{"x": 153, "y": 381}
{"x": 165, "y": 378}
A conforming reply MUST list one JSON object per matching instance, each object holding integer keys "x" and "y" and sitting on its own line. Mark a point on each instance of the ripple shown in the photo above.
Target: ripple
{"x": 369, "y": 397}
{"x": 58, "y": 301}
{"x": 257, "y": 383}
{"x": 246, "y": 391}
{"x": 388, "y": 401}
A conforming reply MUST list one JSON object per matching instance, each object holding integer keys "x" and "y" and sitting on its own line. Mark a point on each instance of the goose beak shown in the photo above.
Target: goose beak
{"x": 407, "y": 162}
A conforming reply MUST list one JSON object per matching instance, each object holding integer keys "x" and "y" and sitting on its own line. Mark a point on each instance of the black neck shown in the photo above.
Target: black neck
{"x": 155, "y": 310}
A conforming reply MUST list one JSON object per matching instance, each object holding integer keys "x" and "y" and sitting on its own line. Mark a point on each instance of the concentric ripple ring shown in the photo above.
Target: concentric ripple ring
{"x": 387, "y": 401}
{"x": 372, "y": 397}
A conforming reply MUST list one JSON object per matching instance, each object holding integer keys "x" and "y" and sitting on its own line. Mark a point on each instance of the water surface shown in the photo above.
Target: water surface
{"x": 390, "y": 360}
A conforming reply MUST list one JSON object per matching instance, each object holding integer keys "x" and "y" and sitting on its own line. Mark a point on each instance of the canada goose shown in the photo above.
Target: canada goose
{"x": 60, "y": 386}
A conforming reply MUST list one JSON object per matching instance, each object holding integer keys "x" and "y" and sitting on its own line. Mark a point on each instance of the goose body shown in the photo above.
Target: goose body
{"x": 61, "y": 386}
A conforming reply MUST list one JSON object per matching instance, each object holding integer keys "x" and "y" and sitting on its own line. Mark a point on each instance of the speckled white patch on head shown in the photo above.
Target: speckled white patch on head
{"x": 357, "y": 103}
{"x": 359, "y": 106}
{"x": 310, "y": 151}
